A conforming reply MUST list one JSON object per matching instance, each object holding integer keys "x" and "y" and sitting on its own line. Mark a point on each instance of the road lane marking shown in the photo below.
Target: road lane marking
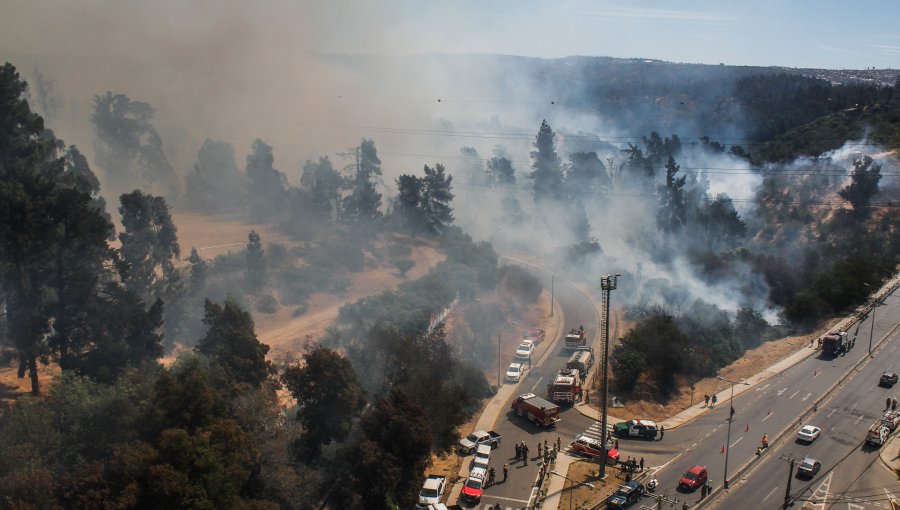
{"x": 770, "y": 493}
{"x": 806, "y": 397}
{"x": 490, "y": 496}
{"x": 858, "y": 419}
{"x": 832, "y": 412}
{"x": 764, "y": 387}
{"x": 736, "y": 442}
{"x": 536, "y": 383}
{"x": 782, "y": 390}
{"x": 767, "y": 417}
{"x": 794, "y": 394}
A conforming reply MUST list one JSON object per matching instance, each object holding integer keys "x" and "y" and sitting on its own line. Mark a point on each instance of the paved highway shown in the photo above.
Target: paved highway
{"x": 852, "y": 475}
{"x": 515, "y": 493}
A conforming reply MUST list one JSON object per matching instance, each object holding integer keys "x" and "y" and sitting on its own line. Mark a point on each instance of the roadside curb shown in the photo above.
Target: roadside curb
{"x": 843, "y": 325}
{"x": 892, "y": 445}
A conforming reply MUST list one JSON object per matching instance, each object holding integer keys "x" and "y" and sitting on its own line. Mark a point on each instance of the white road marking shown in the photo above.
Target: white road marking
{"x": 782, "y": 390}
{"x": 858, "y": 419}
{"x": 736, "y": 442}
{"x": 536, "y": 383}
{"x": 764, "y": 387}
{"x": 506, "y": 499}
{"x": 832, "y": 412}
{"x": 794, "y": 394}
{"x": 806, "y": 397}
{"x": 770, "y": 493}
{"x": 767, "y": 417}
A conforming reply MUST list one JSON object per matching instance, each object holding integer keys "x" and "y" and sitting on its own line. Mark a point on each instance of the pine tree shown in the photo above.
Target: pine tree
{"x": 256, "y": 262}
{"x": 324, "y": 185}
{"x": 231, "y": 343}
{"x": 216, "y": 184}
{"x": 436, "y": 197}
{"x": 863, "y": 185}
{"x": 670, "y": 216}
{"x": 265, "y": 185}
{"x": 547, "y": 172}
{"x": 149, "y": 245}
{"x": 362, "y": 206}
{"x": 409, "y": 198}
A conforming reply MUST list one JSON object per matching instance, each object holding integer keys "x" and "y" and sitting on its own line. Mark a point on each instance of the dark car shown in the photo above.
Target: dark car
{"x": 693, "y": 478}
{"x": 888, "y": 379}
{"x": 808, "y": 467}
{"x": 627, "y": 495}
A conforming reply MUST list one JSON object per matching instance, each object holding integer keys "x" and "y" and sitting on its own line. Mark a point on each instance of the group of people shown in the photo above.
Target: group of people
{"x": 710, "y": 400}
{"x": 632, "y": 465}
{"x": 891, "y": 404}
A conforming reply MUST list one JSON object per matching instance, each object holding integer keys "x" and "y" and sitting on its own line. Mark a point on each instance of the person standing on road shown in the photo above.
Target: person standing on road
{"x": 887, "y": 404}
{"x": 642, "y": 463}
{"x": 539, "y": 448}
{"x": 518, "y": 451}
{"x": 662, "y": 432}
{"x": 705, "y": 400}
{"x": 525, "y": 453}
{"x": 505, "y": 471}
{"x": 893, "y": 404}
{"x": 714, "y": 400}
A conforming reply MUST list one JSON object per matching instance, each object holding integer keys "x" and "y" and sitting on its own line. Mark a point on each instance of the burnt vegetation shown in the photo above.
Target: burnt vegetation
{"x": 385, "y": 388}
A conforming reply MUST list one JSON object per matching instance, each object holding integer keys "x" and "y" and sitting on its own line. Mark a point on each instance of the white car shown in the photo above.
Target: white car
{"x": 514, "y": 372}
{"x": 525, "y": 349}
{"x": 809, "y": 433}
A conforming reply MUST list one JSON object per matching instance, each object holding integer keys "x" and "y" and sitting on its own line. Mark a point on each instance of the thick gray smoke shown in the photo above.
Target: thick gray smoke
{"x": 238, "y": 72}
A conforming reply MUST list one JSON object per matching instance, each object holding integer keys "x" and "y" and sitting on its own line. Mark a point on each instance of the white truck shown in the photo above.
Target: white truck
{"x": 880, "y": 430}
{"x": 482, "y": 456}
{"x": 470, "y": 443}
{"x": 432, "y": 491}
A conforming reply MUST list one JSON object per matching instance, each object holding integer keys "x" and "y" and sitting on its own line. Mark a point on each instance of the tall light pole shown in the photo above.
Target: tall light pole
{"x": 607, "y": 284}
{"x": 872, "y": 326}
{"x": 730, "y": 419}
{"x": 574, "y": 482}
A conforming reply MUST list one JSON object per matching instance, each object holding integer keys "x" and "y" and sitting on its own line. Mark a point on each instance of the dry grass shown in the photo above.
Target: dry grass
{"x": 642, "y": 404}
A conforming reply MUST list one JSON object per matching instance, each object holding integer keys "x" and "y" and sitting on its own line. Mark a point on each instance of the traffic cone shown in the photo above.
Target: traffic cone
{"x": 723, "y": 448}
{"x": 747, "y": 428}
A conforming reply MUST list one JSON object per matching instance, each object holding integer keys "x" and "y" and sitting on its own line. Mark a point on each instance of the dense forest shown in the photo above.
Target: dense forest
{"x": 121, "y": 429}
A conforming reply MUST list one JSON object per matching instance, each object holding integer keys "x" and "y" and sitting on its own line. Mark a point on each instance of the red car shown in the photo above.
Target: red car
{"x": 694, "y": 478}
{"x": 536, "y": 335}
{"x": 591, "y": 447}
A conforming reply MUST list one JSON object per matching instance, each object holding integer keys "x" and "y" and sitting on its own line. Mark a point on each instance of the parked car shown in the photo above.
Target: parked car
{"x": 474, "y": 487}
{"x": 693, "y": 478}
{"x": 587, "y": 445}
{"x": 808, "y": 467}
{"x": 627, "y": 495}
{"x": 514, "y": 372}
{"x": 525, "y": 349}
{"x": 809, "y": 433}
{"x": 482, "y": 456}
{"x": 432, "y": 491}
{"x": 888, "y": 379}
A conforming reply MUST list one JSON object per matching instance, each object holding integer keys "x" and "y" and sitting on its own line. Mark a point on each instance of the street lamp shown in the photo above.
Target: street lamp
{"x": 872, "y": 326}
{"x": 607, "y": 284}
{"x": 573, "y": 481}
{"x": 499, "y": 361}
{"x": 730, "y": 419}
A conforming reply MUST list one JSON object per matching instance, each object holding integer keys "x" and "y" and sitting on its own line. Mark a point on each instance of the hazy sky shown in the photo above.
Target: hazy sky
{"x": 795, "y": 33}
{"x": 822, "y": 33}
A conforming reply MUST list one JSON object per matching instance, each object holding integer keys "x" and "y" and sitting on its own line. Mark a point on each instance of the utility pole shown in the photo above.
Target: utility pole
{"x": 787, "y": 492}
{"x": 730, "y": 419}
{"x": 607, "y": 284}
{"x": 498, "y": 362}
{"x": 551, "y": 295}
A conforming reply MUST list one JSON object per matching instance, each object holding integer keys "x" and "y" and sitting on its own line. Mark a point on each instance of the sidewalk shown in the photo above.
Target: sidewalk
{"x": 890, "y": 453}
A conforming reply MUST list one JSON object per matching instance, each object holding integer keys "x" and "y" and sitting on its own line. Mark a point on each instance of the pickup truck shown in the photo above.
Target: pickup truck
{"x": 432, "y": 491}
{"x": 469, "y": 444}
